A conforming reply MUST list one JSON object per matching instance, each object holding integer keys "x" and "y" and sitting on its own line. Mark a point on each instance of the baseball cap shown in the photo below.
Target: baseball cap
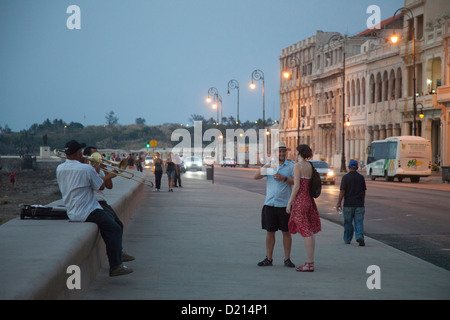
{"x": 73, "y": 146}
{"x": 353, "y": 164}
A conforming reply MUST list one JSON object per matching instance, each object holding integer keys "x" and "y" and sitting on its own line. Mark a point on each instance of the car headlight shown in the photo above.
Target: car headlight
{"x": 330, "y": 173}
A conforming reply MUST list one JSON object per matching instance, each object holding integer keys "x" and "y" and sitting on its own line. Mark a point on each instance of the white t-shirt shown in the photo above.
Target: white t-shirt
{"x": 76, "y": 182}
{"x": 99, "y": 195}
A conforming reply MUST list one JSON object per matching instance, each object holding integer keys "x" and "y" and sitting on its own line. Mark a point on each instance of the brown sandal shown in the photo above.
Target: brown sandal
{"x": 307, "y": 267}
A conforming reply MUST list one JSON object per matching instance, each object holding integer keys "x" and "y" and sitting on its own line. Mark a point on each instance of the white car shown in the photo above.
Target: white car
{"x": 193, "y": 163}
{"x": 229, "y": 162}
{"x": 326, "y": 173}
{"x": 148, "y": 162}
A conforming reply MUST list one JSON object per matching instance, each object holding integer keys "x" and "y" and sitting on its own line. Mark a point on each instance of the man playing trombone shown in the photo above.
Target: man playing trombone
{"x": 77, "y": 181}
{"x": 99, "y": 195}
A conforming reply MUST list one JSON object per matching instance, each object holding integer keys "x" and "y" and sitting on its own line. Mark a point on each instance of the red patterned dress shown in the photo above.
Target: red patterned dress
{"x": 304, "y": 214}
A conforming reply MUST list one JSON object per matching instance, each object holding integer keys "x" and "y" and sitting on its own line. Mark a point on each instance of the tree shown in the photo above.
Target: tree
{"x": 140, "y": 120}
{"x": 111, "y": 119}
{"x": 196, "y": 117}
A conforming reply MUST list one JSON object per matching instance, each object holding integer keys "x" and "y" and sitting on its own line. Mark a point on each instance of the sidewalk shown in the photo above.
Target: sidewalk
{"x": 203, "y": 241}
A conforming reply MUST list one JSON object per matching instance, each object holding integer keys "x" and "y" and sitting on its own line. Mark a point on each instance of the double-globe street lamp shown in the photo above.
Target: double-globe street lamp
{"x": 234, "y": 84}
{"x": 213, "y": 92}
{"x": 294, "y": 62}
{"x": 394, "y": 39}
{"x": 259, "y": 75}
{"x": 340, "y": 37}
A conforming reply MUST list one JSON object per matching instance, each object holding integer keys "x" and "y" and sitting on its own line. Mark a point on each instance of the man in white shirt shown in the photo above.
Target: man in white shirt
{"x": 77, "y": 181}
{"x": 100, "y": 196}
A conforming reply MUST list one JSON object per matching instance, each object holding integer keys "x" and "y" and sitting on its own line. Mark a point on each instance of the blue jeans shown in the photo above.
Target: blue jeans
{"x": 356, "y": 215}
{"x": 111, "y": 233}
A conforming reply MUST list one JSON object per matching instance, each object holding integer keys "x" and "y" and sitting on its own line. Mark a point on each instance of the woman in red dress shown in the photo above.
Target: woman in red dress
{"x": 304, "y": 214}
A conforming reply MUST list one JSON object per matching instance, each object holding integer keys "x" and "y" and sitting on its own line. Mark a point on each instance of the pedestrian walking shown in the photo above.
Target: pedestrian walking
{"x": 304, "y": 217}
{"x": 353, "y": 191}
{"x": 279, "y": 176}
{"x": 171, "y": 171}
{"x": 158, "y": 171}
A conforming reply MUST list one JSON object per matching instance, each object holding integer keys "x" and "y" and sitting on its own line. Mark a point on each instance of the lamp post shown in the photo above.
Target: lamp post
{"x": 234, "y": 84}
{"x": 213, "y": 92}
{"x": 259, "y": 75}
{"x": 293, "y": 62}
{"x": 340, "y": 37}
{"x": 394, "y": 39}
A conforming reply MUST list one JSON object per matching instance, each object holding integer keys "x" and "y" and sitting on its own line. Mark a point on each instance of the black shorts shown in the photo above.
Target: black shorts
{"x": 274, "y": 219}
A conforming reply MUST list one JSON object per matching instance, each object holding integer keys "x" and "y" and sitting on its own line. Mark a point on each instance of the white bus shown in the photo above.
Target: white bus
{"x": 399, "y": 157}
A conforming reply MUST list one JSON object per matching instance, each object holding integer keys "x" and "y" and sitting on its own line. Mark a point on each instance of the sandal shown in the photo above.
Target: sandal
{"x": 307, "y": 267}
{"x": 265, "y": 263}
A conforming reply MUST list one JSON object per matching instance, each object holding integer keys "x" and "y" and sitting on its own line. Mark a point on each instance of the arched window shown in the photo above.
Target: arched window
{"x": 379, "y": 91}
{"x": 372, "y": 88}
{"x": 385, "y": 86}
{"x": 353, "y": 92}
{"x": 392, "y": 93}
{"x": 363, "y": 91}
{"x": 399, "y": 84}
{"x": 358, "y": 92}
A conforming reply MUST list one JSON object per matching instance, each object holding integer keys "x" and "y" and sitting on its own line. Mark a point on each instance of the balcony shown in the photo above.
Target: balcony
{"x": 326, "y": 119}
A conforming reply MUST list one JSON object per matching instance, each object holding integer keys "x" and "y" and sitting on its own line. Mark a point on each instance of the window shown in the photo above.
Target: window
{"x": 419, "y": 32}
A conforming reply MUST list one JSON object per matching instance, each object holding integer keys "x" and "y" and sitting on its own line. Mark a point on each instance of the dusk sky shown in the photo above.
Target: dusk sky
{"x": 154, "y": 59}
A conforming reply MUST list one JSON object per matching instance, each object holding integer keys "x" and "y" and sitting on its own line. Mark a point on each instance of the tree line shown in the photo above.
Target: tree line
{"x": 112, "y": 135}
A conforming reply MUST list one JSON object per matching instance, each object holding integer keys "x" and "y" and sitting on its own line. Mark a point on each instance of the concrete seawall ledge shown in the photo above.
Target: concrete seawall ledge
{"x": 35, "y": 254}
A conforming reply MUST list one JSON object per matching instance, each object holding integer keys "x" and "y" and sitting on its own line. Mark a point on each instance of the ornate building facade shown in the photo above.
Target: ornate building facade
{"x": 378, "y": 94}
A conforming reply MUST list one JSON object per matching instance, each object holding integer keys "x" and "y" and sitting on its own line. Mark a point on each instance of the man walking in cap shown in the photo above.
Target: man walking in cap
{"x": 77, "y": 182}
{"x": 353, "y": 191}
{"x": 280, "y": 177}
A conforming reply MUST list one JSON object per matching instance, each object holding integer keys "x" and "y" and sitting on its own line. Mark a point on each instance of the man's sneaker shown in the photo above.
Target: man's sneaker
{"x": 265, "y": 263}
{"x": 288, "y": 263}
{"x": 361, "y": 242}
{"x": 126, "y": 257}
{"x": 120, "y": 271}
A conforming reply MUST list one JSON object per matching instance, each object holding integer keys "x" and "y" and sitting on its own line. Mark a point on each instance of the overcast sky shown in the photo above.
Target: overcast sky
{"x": 154, "y": 59}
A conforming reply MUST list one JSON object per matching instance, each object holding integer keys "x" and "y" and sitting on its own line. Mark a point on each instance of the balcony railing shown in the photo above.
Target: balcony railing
{"x": 328, "y": 118}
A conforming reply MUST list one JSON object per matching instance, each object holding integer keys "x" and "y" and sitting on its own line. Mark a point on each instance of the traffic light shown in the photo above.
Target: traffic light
{"x": 148, "y": 144}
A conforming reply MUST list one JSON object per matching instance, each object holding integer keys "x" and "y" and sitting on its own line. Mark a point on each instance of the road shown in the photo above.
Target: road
{"x": 414, "y": 218}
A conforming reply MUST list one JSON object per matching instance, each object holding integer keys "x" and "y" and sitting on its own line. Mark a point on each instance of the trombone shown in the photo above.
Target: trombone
{"x": 118, "y": 168}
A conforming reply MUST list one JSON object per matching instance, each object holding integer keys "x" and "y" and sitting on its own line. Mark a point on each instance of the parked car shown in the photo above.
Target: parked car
{"x": 208, "y": 160}
{"x": 228, "y": 162}
{"x": 193, "y": 163}
{"x": 326, "y": 173}
{"x": 148, "y": 162}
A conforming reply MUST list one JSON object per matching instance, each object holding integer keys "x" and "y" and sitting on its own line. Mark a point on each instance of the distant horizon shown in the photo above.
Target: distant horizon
{"x": 131, "y": 124}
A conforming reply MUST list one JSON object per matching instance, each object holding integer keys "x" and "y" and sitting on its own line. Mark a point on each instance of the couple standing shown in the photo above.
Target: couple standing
{"x": 291, "y": 212}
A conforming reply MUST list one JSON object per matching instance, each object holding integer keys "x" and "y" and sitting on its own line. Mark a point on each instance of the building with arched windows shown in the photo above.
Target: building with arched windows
{"x": 372, "y": 88}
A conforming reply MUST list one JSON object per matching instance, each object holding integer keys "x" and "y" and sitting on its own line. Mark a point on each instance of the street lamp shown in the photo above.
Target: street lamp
{"x": 214, "y": 93}
{"x": 421, "y": 115}
{"x": 347, "y": 120}
{"x": 234, "y": 84}
{"x": 340, "y": 37}
{"x": 259, "y": 75}
{"x": 394, "y": 39}
{"x": 293, "y": 62}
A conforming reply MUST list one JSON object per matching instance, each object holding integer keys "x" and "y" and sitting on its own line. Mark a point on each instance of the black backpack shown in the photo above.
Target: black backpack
{"x": 316, "y": 184}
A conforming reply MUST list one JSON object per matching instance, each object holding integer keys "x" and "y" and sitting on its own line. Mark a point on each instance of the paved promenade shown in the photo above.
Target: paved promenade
{"x": 203, "y": 241}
